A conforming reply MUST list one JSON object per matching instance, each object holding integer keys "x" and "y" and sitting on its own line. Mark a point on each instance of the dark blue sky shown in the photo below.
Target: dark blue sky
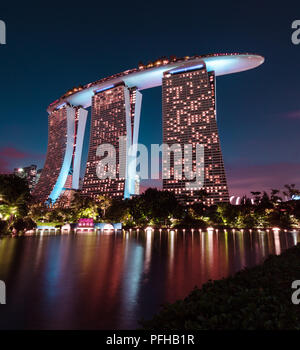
{"x": 54, "y": 46}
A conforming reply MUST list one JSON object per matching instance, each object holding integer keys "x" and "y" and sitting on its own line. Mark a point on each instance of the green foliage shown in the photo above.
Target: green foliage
{"x": 14, "y": 197}
{"x": 84, "y": 207}
{"x": 52, "y": 224}
{"x": 252, "y": 299}
{"x": 190, "y": 221}
{"x": 38, "y": 211}
{"x": 104, "y": 203}
{"x": 119, "y": 212}
{"x": 153, "y": 207}
{"x": 90, "y": 212}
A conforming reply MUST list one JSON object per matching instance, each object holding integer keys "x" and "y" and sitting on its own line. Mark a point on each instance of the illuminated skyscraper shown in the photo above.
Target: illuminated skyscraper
{"x": 66, "y": 126}
{"x": 115, "y": 115}
{"x": 189, "y": 117}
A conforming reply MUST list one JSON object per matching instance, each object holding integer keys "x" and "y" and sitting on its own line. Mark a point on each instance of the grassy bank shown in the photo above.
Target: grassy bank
{"x": 255, "y": 298}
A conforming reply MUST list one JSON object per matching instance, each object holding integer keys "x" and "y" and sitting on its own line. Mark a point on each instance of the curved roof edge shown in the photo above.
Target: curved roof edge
{"x": 150, "y": 75}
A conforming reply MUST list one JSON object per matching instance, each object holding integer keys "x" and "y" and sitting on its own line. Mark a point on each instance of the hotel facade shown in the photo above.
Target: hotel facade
{"x": 61, "y": 172}
{"x": 189, "y": 117}
{"x": 115, "y": 116}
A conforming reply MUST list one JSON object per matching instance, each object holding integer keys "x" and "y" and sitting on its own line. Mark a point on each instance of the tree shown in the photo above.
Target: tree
{"x": 18, "y": 225}
{"x": 228, "y": 213}
{"x": 160, "y": 207}
{"x": 38, "y": 211}
{"x": 104, "y": 203}
{"x": 118, "y": 211}
{"x": 257, "y": 196}
{"x": 291, "y": 191}
{"x": 80, "y": 202}
{"x": 14, "y": 197}
{"x": 29, "y": 223}
{"x": 274, "y": 196}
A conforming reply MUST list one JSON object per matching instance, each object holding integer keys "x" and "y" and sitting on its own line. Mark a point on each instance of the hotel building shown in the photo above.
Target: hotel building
{"x": 115, "y": 117}
{"x": 66, "y": 126}
{"x": 189, "y": 117}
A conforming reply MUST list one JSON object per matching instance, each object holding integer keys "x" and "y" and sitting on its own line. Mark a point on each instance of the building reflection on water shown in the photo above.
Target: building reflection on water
{"x": 97, "y": 281}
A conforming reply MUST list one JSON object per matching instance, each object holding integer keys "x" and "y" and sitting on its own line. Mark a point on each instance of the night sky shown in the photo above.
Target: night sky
{"x": 54, "y": 46}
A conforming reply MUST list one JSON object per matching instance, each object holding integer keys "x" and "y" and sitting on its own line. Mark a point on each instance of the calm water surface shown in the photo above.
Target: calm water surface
{"x": 97, "y": 281}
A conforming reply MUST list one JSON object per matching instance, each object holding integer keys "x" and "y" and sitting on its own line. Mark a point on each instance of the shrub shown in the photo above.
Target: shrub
{"x": 256, "y": 298}
{"x": 3, "y": 226}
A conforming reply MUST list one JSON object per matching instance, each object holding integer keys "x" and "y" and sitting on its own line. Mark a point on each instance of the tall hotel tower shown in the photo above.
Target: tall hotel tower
{"x": 66, "y": 126}
{"x": 115, "y": 115}
{"x": 189, "y": 117}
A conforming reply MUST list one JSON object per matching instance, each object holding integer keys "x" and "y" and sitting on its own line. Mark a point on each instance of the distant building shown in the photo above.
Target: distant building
{"x": 237, "y": 200}
{"x": 29, "y": 173}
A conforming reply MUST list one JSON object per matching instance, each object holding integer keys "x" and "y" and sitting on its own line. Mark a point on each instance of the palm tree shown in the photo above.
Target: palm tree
{"x": 274, "y": 196}
{"x": 257, "y": 196}
{"x": 291, "y": 191}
